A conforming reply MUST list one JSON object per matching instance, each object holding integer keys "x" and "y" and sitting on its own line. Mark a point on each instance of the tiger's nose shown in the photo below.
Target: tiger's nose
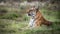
{"x": 29, "y": 14}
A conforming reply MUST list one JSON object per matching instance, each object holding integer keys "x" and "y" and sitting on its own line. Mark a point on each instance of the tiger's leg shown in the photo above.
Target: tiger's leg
{"x": 38, "y": 23}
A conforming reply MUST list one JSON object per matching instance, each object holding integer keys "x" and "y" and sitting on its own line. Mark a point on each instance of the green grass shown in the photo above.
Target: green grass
{"x": 14, "y": 21}
{"x": 12, "y": 13}
{"x": 15, "y": 27}
{"x": 51, "y": 15}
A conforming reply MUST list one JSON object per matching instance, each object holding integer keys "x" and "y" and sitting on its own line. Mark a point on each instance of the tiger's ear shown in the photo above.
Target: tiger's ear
{"x": 37, "y": 8}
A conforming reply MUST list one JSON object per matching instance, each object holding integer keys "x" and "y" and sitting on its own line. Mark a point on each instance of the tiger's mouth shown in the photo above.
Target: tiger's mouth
{"x": 32, "y": 15}
{"x": 29, "y": 15}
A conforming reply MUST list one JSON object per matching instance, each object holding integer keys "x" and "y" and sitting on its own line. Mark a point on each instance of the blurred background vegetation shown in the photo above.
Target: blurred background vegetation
{"x": 13, "y": 16}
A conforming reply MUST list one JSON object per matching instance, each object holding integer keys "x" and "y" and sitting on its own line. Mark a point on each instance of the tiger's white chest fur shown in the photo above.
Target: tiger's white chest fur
{"x": 32, "y": 22}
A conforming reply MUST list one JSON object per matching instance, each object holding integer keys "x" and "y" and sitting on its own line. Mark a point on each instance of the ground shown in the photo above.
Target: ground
{"x": 14, "y": 22}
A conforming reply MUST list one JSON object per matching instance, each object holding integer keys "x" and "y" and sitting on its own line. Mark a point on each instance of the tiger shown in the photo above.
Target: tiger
{"x": 36, "y": 18}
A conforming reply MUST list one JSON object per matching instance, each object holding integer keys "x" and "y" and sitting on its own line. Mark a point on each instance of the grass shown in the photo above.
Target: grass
{"x": 12, "y": 13}
{"x": 14, "y": 20}
{"x": 15, "y": 27}
{"x": 51, "y": 15}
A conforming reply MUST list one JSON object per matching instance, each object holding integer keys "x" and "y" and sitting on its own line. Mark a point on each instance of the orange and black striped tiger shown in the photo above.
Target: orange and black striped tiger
{"x": 36, "y": 18}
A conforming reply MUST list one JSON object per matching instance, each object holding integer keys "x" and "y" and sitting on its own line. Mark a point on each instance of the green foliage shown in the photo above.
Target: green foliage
{"x": 51, "y": 15}
{"x": 25, "y": 18}
{"x": 15, "y": 27}
{"x": 10, "y": 26}
{"x": 6, "y": 13}
{"x": 10, "y": 16}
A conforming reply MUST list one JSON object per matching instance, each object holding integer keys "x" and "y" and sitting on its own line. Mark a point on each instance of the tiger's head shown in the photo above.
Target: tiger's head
{"x": 32, "y": 11}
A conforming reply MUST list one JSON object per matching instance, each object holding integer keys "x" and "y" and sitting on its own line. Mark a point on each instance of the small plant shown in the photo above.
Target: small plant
{"x": 25, "y": 18}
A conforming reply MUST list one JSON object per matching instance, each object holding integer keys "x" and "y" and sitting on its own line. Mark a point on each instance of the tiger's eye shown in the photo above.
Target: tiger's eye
{"x": 31, "y": 10}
